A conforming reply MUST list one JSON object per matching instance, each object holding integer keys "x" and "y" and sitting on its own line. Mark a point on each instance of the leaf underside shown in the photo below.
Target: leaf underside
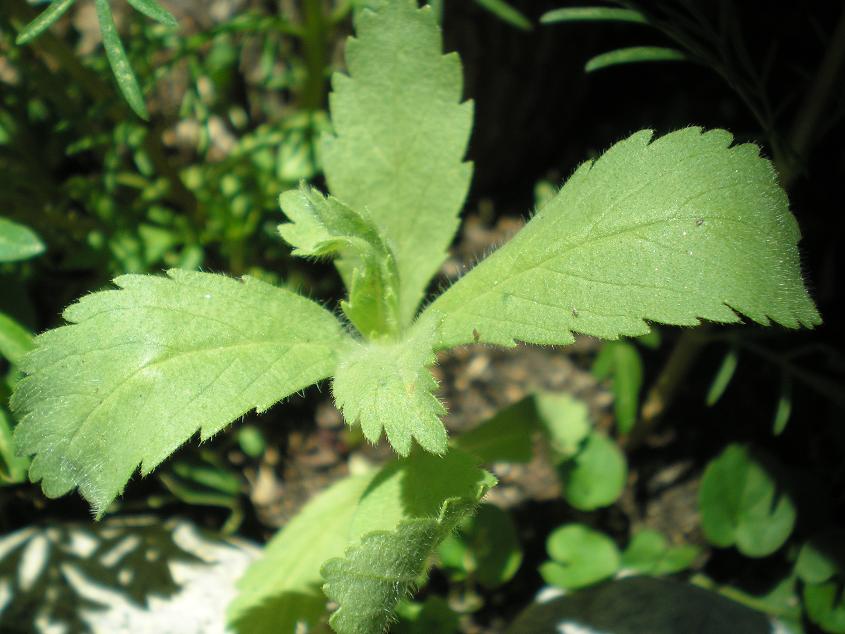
{"x": 674, "y": 230}
{"x": 401, "y": 132}
{"x": 141, "y": 369}
{"x": 387, "y": 386}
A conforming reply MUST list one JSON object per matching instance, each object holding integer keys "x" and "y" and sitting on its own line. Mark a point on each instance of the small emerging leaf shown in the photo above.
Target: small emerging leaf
{"x": 633, "y": 55}
{"x": 155, "y": 11}
{"x": 580, "y": 556}
{"x": 673, "y": 230}
{"x": 723, "y": 377}
{"x": 595, "y": 477}
{"x": 622, "y": 362}
{"x": 784, "y": 406}
{"x": 386, "y": 385}
{"x": 45, "y": 19}
{"x": 401, "y": 132}
{"x": 325, "y": 226}
{"x": 143, "y": 368}
{"x": 18, "y": 242}
{"x": 592, "y": 14}
{"x": 123, "y": 74}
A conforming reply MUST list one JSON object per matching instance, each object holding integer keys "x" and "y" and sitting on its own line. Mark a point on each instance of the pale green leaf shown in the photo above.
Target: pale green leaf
{"x": 673, "y": 230}
{"x": 155, "y": 11}
{"x": 144, "y": 368}
{"x": 18, "y": 242}
{"x": 592, "y": 14}
{"x": 401, "y": 132}
{"x": 15, "y": 340}
{"x": 580, "y": 556}
{"x": 743, "y": 504}
{"x": 375, "y": 574}
{"x": 282, "y": 588}
{"x": 123, "y": 73}
{"x": 649, "y": 553}
{"x": 566, "y": 420}
{"x": 723, "y": 377}
{"x": 506, "y": 12}
{"x": 822, "y": 556}
{"x": 324, "y": 226}
{"x": 12, "y": 467}
{"x": 596, "y": 476}
{"x": 45, "y": 19}
{"x": 633, "y": 55}
{"x": 386, "y": 385}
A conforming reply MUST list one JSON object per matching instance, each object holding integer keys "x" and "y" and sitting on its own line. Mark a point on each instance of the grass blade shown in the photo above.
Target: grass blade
{"x": 44, "y": 20}
{"x": 155, "y": 11}
{"x": 633, "y": 55}
{"x": 592, "y": 14}
{"x": 506, "y": 12}
{"x": 123, "y": 74}
{"x": 723, "y": 378}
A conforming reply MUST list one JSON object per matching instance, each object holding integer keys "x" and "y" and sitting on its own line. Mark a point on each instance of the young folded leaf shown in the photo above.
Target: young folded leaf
{"x": 387, "y": 385}
{"x": 141, "y": 369}
{"x": 325, "y": 226}
{"x": 673, "y": 230}
{"x": 412, "y": 504}
{"x": 401, "y": 132}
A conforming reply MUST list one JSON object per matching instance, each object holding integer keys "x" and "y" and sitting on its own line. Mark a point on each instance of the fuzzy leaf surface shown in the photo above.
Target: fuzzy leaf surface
{"x": 386, "y": 385}
{"x": 324, "y": 226}
{"x": 282, "y": 588}
{"x": 413, "y": 504}
{"x": 143, "y": 368}
{"x": 401, "y": 132}
{"x": 672, "y": 230}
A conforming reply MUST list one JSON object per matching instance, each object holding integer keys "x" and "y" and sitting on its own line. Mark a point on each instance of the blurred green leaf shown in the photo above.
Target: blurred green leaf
{"x": 13, "y": 468}
{"x": 595, "y": 476}
{"x": 431, "y": 616}
{"x": 18, "y": 242}
{"x": 580, "y": 557}
{"x": 742, "y": 503}
{"x": 621, "y": 361}
{"x": 822, "y": 556}
{"x": 723, "y": 377}
{"x": 651, "y": 339}
{"x": 649, "y": 553}
{"x": 15, "y": 340}
{"x": 485, "y": 547}
{"x": 632, "y": 55}
{"x": 825, "y": 605}
{"x": 44, "y": 20}
{"x": 784, "y": 406}
{"x": 592, "y": 14}
{"x": 251, "y": 441}
{"x": 155, "y": 11}
{"x": 566, "y": 420}
{"x": 123, "y": 74}
{"x": 506, "y": 437}
{"x": 506, "y": 12}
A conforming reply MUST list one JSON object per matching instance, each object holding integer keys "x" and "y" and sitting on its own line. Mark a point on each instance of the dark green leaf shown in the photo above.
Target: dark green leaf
{"x": 825, "y": 605}
{"x": 821, "y": 557}
{"x": 155, "y": 11}
{"x": 506, "y": 12}
{"x": 507, "y": 437}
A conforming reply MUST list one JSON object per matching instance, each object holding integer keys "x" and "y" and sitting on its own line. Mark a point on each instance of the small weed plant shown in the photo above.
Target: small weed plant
{"x": 674, "y": 229}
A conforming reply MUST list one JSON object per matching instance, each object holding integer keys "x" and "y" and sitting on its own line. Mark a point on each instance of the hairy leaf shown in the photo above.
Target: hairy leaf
{"x": 674, "y": 230}
{"x": 143, "y": 368}
{"x": 386, "y": 385}
{"x": 45, "y": 19}
{"x": 18, "y": 242}
{"x": 368, "y": 582}
{"x": 325, "y": 226}
{"x": 123, "y": 73}
{"x": 400, "y": 137}
{"x": 282, "y": 588}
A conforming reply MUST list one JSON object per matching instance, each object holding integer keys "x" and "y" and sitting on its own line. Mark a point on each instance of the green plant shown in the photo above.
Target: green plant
{"x": 676, "y": 229}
